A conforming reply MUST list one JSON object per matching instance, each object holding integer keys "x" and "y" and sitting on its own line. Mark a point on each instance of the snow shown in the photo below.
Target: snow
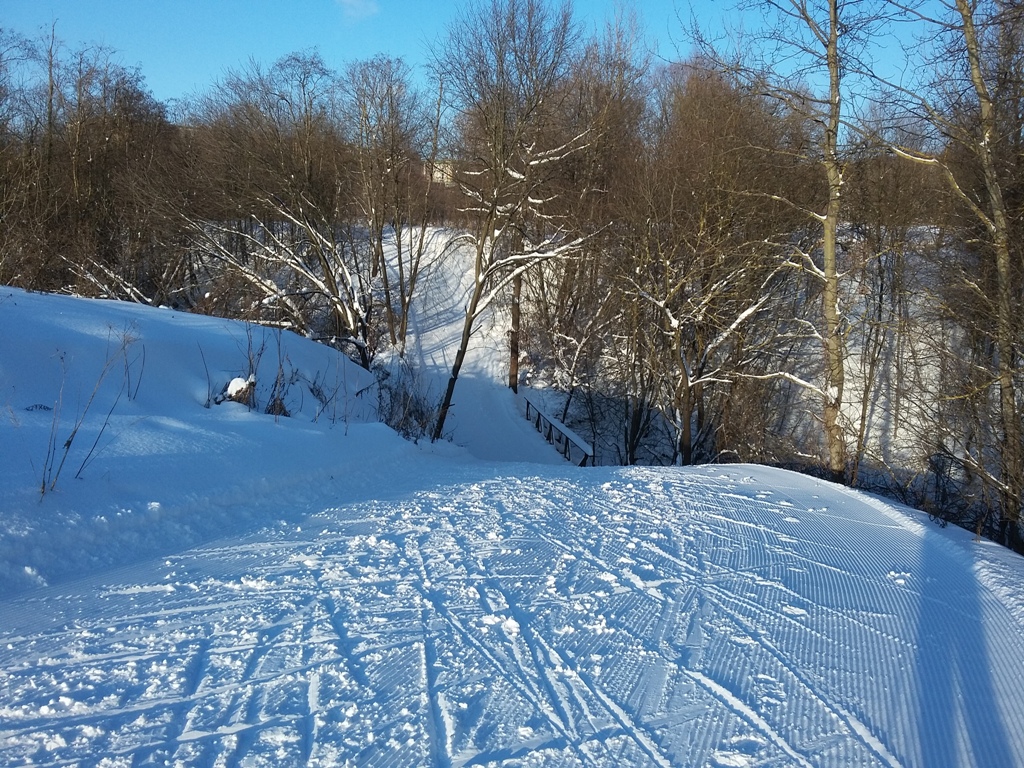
{"x": 220, "y": 585}
{"x": 237, "y": 387}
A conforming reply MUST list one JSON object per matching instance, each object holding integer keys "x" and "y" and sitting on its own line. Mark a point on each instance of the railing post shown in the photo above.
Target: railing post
{"x": 556, "y": 433}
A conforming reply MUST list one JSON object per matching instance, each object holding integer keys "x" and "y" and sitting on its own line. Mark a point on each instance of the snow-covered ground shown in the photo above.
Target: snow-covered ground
{"x": 223, "y": 586}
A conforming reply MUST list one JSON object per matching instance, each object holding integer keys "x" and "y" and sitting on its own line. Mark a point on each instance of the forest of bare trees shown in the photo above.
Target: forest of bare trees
{"x": 767, "y": 251}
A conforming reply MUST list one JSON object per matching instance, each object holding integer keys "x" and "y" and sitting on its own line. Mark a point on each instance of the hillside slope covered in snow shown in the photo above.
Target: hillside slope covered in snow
{"x": 225, "y": 586}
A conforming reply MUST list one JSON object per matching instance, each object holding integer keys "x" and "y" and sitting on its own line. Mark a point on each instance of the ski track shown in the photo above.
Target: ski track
{"x": 646, "y": 617}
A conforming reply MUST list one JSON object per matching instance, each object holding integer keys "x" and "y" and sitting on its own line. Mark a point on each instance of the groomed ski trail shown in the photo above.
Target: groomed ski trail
{"x": 723, "y": 616}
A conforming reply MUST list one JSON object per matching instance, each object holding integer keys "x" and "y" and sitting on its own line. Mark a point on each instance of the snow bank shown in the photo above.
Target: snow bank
{"x": 112, "y": 447}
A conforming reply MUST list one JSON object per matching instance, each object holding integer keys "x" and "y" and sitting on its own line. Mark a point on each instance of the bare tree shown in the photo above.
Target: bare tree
{"x": 701, "y": 250}
{"x": 13, "y": 51}
{"x": 972, "y": 114}
{"x": 821, "y": 43}
{"x": 275, "y": 211}
{"x": 502, "y": 66}
{"x": 889, "y": 202}
{"x": 571, "y": 304}
{"x": 395, "y": 138}
{"x": 82, "y": 137}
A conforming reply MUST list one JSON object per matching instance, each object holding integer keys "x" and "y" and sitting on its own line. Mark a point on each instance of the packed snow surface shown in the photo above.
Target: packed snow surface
{"x": 224, "y": 586}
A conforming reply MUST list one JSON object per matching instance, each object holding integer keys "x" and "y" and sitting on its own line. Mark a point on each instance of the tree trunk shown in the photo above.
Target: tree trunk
{"x": 686, "y": 432}
{"x": 833, "y": 340}
{"x": 446, "y": 403}
{"x": 467, "y": 332}
{"x": 513, "y": 336}
{"x": 1012, "y": 467}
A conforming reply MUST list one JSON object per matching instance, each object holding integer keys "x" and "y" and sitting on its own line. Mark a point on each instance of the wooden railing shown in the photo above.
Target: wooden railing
{"x": 565, "y": 441}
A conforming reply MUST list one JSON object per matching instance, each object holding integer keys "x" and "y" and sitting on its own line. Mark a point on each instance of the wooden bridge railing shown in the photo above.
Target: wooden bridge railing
{"x": 567, "y": 442}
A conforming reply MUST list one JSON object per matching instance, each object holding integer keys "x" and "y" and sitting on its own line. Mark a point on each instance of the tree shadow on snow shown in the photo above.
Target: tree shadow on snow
{"x": 959, "y": 719}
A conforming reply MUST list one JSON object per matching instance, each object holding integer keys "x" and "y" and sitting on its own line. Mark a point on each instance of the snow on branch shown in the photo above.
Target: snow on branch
{"x": 786, "y": 376}
{"x": 499, "y": 274}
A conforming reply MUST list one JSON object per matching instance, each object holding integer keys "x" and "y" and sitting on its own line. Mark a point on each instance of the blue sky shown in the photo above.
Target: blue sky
{"x": 184, "y": 46}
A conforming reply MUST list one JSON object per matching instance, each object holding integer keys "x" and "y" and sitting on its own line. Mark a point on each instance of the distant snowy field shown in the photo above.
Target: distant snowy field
{"x": 223, "y": 586}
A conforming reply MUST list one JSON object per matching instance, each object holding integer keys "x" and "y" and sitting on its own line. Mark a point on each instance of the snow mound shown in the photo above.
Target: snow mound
{"x": 113, "y": 447}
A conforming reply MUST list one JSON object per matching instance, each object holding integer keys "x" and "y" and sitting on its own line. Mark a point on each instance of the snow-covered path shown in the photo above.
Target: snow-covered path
{"x": 724, "y": 616}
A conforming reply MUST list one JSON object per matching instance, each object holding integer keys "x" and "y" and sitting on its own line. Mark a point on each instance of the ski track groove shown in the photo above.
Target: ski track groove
{"x": 311, "y": 727}
{"x": 565, "y": 724}
{"x": 535, "y": 669}
{"x": 344, "y": 643}
{"x": 517, "y": 675}
{"x": 726, "y": 697}
{"x": 628, "y": 723}
{"x": 543, "y": 672}
{"x": 732, "y": 702}
{"x": 439, "y": 734}
{"x": 636, "y": 732}
{"x": 546, "y": 560}
{"x": 864, "y": 734}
